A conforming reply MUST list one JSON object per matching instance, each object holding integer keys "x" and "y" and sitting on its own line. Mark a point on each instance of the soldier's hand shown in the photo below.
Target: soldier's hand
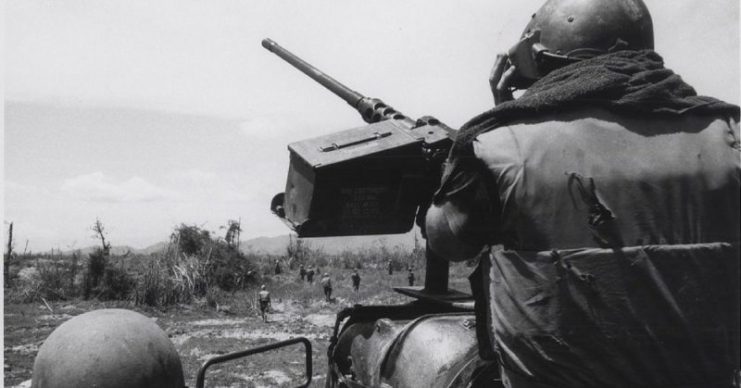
{"x": 500, "y": 79}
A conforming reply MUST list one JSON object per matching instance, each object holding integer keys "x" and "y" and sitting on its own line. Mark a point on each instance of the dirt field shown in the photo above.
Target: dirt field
{"x": 200, "y": 332}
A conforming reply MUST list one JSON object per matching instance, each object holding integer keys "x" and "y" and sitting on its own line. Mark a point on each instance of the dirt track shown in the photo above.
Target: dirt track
{"x": 198, "y": 334}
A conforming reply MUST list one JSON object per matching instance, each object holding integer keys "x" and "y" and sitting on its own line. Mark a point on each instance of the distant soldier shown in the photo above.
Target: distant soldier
{"x": 390, "y": 267}
{"x": 277, "y": 267}
{"x": 302, "y": 272}
{"x": 410, "y": 277}
{"x": 355, "y": 280}
{"x": 310, "y": 275}
{"x": 326, "y": 283}
{"x": 264, "y": 296}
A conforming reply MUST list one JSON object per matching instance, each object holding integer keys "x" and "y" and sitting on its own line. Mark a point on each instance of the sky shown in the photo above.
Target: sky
{"x": 148, "y": 114}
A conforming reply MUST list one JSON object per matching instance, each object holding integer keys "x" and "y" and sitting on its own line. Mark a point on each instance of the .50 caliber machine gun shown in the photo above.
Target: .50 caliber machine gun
{"x": 367, "y": 180}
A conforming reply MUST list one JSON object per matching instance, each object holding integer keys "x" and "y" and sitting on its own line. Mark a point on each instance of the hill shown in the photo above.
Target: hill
{"x": 332, "y": 245}
{"x": 116, "y": 250}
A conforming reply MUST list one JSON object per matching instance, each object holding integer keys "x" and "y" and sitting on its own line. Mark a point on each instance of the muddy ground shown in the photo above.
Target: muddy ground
{"x": 198, "y": 334}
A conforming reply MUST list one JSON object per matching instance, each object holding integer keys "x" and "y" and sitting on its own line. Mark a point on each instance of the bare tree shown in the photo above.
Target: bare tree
{"x": 8, "y": 255}
{"x": 100, "y": 233}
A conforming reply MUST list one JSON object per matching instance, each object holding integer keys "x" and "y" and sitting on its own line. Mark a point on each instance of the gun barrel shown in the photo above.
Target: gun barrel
{"x": 350, "y": 96}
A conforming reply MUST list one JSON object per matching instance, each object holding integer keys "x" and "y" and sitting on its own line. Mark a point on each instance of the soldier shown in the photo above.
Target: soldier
{"x": 264, "y": 297}
{"x": 326, "y": 283}
{"x": 302, "y": 272}
{"x": 355, "y": 280}
{"x": 278, "y": 270}
{"x": 410, "y": 277}
{"x": 310, "y": 275}
{"x": 608, "y": 197}
{"x": 390, "y": 267}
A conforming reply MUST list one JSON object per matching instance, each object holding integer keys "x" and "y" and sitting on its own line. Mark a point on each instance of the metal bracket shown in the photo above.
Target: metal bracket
{"x": 261, "y": 349}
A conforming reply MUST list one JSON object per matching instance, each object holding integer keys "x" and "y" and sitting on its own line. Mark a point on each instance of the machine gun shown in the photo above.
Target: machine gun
{"x": 367, "y": 180}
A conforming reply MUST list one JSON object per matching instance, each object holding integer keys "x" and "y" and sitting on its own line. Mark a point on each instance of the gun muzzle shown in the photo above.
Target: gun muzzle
{"x": 350, "y": 96}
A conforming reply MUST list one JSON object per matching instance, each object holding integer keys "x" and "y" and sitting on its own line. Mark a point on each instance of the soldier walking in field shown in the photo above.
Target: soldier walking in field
{"x": 390, "y": 267}
{"x": 355, "y": 280}
{"x": 302, "y": 272}
{"x": 264, "y": 297}
{"x": 410, "y": 277}
{"x": 326, "y": 283}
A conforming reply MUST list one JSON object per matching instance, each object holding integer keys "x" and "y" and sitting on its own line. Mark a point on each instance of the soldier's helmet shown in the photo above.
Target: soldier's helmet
{"x": 262, "y": 287}
{"x": 113, "y": 348}
{"x": 566, "y": 31}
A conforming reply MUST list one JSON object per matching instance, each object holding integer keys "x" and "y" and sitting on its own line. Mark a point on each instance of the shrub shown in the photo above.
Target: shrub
{"x": 228, "y": 268}
{"x": 49, "y": 278}
{"x": 154, "y": 288}
{"x": 117, "y": 284}
{"x": 214, "y": 298}
{"x": 96, "y": 265}
{"x": 103, "y": 281}
{"x": 163, "y": 282}
{"x": 189, "y": 277}
{"x": 54, "y": 282}
{"x": 190, "y": 239}
{"x": 217, "y": 262}
{"x": 197, "y": 266}
{"x": 27, "y": 286}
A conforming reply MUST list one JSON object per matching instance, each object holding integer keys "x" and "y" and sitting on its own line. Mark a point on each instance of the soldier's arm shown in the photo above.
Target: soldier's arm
{"x": 461, "y": 221}
{"x": 446, "y": 224}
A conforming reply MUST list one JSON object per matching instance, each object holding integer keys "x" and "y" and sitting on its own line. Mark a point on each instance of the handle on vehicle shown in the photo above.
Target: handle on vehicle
{"x": 261, "y": 349}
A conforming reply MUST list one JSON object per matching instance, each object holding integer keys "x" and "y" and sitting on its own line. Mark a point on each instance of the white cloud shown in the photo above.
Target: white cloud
{"x": 200, "y": 185}
{"x": 98, "y": 187}
{"x": 15, "y": 191}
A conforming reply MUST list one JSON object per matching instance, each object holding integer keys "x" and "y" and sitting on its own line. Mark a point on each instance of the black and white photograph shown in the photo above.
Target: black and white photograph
{"x": 356, "y": 194}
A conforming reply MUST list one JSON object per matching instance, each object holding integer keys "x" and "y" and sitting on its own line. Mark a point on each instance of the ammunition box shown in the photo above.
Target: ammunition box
{"x": 366, "y": 180}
